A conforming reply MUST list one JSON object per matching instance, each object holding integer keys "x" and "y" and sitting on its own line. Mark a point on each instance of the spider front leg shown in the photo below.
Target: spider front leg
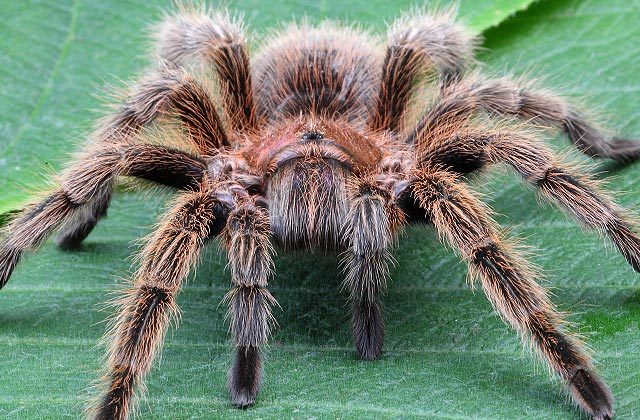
{"x": 148, "y": 306}
{"x": 368, "y": 231}
{"x": 251, "y": 265}
{"x": 83, "y": 190}
{"x": 506, "y": 97}
{"x": 571, "y": 190}
{"x": 509, "y": 284}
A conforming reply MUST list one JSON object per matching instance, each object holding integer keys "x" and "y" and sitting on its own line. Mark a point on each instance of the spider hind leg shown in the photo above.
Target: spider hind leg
{"x": 507, "y": 97}
{"x": 217, "y": 40}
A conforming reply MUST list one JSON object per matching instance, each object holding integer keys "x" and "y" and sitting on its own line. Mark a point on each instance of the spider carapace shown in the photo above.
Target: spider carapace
{"x": 323, "y": 141}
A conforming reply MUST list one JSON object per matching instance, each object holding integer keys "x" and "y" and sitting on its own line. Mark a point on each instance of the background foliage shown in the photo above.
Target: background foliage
{"x": 446, "y": 354}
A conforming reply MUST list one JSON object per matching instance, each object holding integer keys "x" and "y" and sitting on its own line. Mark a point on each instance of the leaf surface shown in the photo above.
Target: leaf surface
{"x": 446, "y": 354}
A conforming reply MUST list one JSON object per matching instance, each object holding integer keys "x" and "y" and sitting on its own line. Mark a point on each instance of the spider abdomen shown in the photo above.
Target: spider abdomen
{"x": 324, "y": 70}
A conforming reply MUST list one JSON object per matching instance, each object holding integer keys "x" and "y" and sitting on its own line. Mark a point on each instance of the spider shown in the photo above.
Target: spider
{"x": 323, "y": 142}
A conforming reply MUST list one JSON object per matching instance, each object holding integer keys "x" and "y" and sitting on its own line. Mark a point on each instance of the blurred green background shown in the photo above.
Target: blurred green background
{"x": 446, "y": 354}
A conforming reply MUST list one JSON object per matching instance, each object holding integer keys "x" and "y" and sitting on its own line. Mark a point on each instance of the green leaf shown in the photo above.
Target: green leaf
{"x": 446, "y": 354}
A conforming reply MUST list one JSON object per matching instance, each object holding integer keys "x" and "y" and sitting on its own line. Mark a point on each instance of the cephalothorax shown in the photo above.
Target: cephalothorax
{"x": 323, "y": 142}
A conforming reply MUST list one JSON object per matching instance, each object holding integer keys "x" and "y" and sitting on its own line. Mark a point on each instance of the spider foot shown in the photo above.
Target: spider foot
{"x": 9, "y": 258}
{"x": 592, "y": 394}
{"x": 368, "y": 331}
{"x": 624, "y": 150}
{"x": 244, "y": 377}
{"x": 70, "y": 242}
{"x": 71, "y": 236}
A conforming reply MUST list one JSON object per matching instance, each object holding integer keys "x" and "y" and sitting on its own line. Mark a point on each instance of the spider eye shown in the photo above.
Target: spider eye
{"x": 313, "y": 135}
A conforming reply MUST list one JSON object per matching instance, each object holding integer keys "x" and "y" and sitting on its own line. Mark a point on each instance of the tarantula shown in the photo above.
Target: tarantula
{"x": 322, "y": 142}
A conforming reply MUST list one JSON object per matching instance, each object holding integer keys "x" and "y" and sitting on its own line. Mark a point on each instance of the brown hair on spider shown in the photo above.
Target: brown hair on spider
{"x": 310, "y": 145}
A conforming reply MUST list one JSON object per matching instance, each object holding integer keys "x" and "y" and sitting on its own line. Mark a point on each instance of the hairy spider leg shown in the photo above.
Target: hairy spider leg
{"x": 217, "y": 40}
{"x": 251, "y": 265}
{"x": 168, "y": 91}
{"x": 84, "y": 184}
{"x": 87, "y": 185}
{"x": 509, "y": 283}
{"x": 570, "y": 189}
{"x": 368, "y": 233}
{"x": 506, "y": 97}
{"x": 148, "y": 306}
{"x": 418, "y": 43}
